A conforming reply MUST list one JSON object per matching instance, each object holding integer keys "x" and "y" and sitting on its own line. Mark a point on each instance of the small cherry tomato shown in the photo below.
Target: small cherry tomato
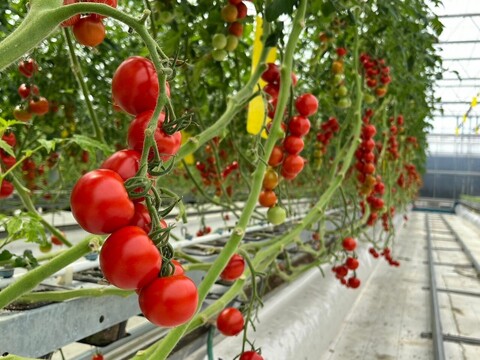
{"x": 100, "y": 202}
{"x": 6, "y": 189}
{"x": 169, "y": 301}
{"x": 89, "y": 31}
{"x": 234, "y": 268}
{"x": 230, "y": 322}
{"x": 267, "y": 198}
{"x": 129, "y": 259}
{"x": 124, "y": 162}
{"x": 251, "y": 355}
{"x": 135, "y": 85}
{"x": 39, "y": 107}
{"x": 167, "y": 145}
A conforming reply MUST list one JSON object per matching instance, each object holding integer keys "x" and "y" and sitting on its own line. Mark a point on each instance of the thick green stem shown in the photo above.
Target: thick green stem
{"x": 73, "y": 294}
{"x": 78, "y": 72}
{"x": 30, "y": 280}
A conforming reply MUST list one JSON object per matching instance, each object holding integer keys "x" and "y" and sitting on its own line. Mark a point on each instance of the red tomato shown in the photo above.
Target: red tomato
{"x": 169, "y": 301}
{"x": 129, "y": 259}
{"x": 97, "y": 357}
{"x": 178, "y": 267}
{"x": 251, "y": 355}
{"x": 8, "y": 160}
{"x": 28, "y": 67}
{"x": 112, "y": 3}
{"x": 135, "y": 85}
{"x": 306, "y": 104}
{"x": 167, "y": 145}
{"x": 267, "y": 198}
{"x": 299, "y": 126}
{"x": 293, "y": 164}
{"x": 39, "y": 107}
{"x": 142, "y": 218}
{"x": 89, "y": 31}
{"x": 55, "y": 240}
{"x": 100, "y": 202}
{"x": 74, "y": 19}
{"x": 241, "y": 10}
{"x": 349, "y": 244}
{"x": 354, "y": 282}
{"x": 352, "y": 263}
{"x": 6, "y": 189}
{"x": 293, "y": 144}
{"x": 272, "y": 74}
{"x": 124, "y": 162}
{"x": 24, "y": 90}
{"x": 21, "y": 114}
{"x": 234, "y": 268}
{"x": 230, "y": 322}
{"x": 276, "y": 156}
{"x": 10, "y": 138}
{"x": 271, "y": 89}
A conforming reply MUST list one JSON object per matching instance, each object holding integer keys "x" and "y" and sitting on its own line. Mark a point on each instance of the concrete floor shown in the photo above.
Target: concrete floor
{"x": 393, "y": 310}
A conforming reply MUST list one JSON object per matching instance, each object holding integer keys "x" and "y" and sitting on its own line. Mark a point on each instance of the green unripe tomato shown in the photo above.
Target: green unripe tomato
{"x": 45, "y": 247}
{"x": 219, "y": 41}
{"x": 344, "y": 103}
{"x": 338, "y": 78}
{"x": 219, "y": 54}
{"x": 342, "y": 91}
{"x": 232, "y": 43}
{"x": 369, "y": 98}
{"x": 276, "y": 215}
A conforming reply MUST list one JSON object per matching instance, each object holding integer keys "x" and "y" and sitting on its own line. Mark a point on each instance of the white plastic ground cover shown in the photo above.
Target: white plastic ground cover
{"x": 467, "y": 214}
{"x": 299, "y": 320}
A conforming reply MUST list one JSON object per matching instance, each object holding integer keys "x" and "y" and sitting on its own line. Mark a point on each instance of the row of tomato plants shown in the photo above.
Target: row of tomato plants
{"x": 128, "y": 177}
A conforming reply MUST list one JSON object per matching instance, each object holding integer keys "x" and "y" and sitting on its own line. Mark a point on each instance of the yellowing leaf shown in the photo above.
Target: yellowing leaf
{"x": 256, "y": 108}
{"x": 189, "y": 159}
{"x": 474, "y": 102}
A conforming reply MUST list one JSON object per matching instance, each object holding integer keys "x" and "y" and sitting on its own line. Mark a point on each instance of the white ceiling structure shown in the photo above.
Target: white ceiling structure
{"x": 459, "y": 48}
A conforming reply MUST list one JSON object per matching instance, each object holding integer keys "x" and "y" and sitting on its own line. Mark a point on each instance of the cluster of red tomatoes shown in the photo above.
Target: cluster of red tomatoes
{"x": 387, "y": 254}
{"x": 349, "y": 244}
{"x": 412, "y": 176}
{"x": 370, "y": 186}
{"x": 210, "y": 174}
{"x": 230, "y": 321}
{"x": 342, "y": 100}
{"x": 204, "y": 230}
{"x": 377, "y": 74}
{"x": 101, "y": 204}
{"x": 327, "y": 132}
{"x": 392, "y": 139}
{"x": 385, "y": 218}
{"x": 7, "y": 161}
{"x": 88, "y": 29}
{"x": 232, "y": 13}
{"x": 29, "y": 92}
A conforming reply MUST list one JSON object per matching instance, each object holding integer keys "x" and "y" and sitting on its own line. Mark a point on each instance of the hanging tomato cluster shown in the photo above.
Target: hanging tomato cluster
{"x": 30, "y": 93}
{"x": 377, "y": 74}
{"x": 88, "y": 29}
{"x": 130, "y": 258}
{"x": 232, "y": 13}
{"x": 349, "y": 244}
{"x": 387, "y": 254}
{"x": 342, "y": 100}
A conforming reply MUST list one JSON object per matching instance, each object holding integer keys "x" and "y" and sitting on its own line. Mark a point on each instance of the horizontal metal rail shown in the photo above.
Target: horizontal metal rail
{"x": 467, "y": 251}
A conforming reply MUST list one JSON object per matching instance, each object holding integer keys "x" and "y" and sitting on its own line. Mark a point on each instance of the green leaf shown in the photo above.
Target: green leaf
{"x": 14, "y": 225}
{"x": 328, "y": 8}
{"x": 279, "y": 7}
{"x": 90, "y": 144}
{"x": 5, "y": 255}
{"x": 7, "y": 148}
{"x": 49, "y": 145}
{"x": 5, "y": 124}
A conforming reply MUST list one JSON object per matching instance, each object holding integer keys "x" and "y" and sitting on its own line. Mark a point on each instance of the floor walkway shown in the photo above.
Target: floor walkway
{"x": 388, "y": 319}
